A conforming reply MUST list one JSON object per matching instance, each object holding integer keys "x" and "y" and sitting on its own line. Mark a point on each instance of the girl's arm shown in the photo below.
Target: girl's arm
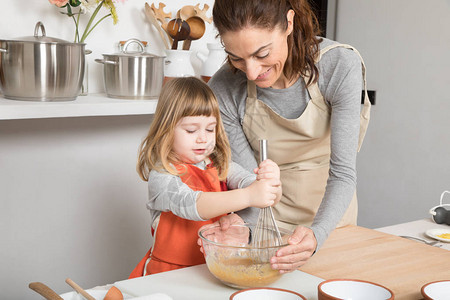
{"x": 265, "y": 191}
{"x": 261, "y": 193}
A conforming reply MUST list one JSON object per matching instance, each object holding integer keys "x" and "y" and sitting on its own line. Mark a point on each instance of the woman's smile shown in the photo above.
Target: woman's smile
{"x": 264, "y": 75}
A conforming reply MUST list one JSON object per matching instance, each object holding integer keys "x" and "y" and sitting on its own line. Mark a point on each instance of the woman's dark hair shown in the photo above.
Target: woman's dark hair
{"x": 303, "y": 43}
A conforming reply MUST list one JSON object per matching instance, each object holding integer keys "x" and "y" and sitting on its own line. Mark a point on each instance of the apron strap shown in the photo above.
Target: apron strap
{"x": 365, "y": 112}
{"x": 251, "y": 89}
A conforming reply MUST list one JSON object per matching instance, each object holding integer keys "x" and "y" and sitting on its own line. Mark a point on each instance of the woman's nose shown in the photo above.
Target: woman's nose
{"x": 252, "y": 69}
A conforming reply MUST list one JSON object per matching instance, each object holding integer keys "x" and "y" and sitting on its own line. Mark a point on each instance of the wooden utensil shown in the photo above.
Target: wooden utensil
{"x": 186, "y": 12}
{"x": 179, "y": 30}
{"x": 152, "y": 18}
{"x": 197, "y": 29}
{"x": 44, "y": 291}
{"x": 161, "y": 16}
{"x": 202, "y": 12}
{"x": 79, "y": 289}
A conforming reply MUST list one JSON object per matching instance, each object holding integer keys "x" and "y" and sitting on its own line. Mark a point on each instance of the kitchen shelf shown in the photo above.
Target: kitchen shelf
{"x": 84, "y": 106}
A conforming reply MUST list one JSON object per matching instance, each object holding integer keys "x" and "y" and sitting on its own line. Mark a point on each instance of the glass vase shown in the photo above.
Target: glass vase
{"x": 85, "y": 82}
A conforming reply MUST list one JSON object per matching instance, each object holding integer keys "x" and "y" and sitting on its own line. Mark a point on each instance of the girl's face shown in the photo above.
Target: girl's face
{"x": 260, "y": 53}
{"x": 195, "y": 138}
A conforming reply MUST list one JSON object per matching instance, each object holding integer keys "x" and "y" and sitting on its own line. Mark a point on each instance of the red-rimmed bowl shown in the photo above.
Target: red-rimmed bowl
{"x": 436, "y": 290}
{"x": 338, "y": 289}
{"x": 266, "y": 293}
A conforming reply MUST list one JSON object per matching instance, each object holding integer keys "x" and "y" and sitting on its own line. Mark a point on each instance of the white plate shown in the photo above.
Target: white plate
{"x": 433, "y": 233}
{"x": 97, "y": 294}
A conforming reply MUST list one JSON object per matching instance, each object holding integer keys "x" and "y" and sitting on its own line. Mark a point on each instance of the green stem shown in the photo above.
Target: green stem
{"x": 78, "y": 22}
{"x": 76, "y": 29}
{"x": 98, "y": 22}
{"x": 86, "y": 31}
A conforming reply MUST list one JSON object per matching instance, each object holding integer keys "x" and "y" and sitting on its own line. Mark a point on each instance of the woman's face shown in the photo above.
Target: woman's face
{"x": 195, "y": 138}
{"x": 260, "y": 53}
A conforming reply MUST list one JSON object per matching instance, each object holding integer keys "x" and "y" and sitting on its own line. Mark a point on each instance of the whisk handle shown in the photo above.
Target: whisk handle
{"x": 262, "y": 150}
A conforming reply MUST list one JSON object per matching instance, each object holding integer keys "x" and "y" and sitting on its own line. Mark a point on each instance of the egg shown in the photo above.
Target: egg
{"x": 113, "y": 294}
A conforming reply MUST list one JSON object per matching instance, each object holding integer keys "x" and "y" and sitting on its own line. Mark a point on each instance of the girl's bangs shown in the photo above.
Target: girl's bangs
{"x": 201, "y": 106}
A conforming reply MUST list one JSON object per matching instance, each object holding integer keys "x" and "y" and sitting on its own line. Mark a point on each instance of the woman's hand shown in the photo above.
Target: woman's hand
{"x": 267, "y": 169}
{"x": 302, "y": 245}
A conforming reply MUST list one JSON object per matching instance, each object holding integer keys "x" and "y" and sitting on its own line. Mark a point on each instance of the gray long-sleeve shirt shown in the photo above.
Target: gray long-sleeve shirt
{"x": 340, "y": 82}
{"x": 166, "y": 192}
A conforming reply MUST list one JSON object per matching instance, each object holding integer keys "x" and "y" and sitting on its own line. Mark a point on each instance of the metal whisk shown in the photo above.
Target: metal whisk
{"x": 266, "y": 233}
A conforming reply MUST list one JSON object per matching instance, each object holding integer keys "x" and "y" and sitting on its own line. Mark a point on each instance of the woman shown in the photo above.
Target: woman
{"x": 302, "y": 93}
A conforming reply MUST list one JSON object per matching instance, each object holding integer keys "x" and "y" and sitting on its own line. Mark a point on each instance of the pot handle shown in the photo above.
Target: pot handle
{"x": 105, "y": 62}
{"x": 87, "y": 51}
{"x": 135, "y": 41}
{"x": 36, "y": 29}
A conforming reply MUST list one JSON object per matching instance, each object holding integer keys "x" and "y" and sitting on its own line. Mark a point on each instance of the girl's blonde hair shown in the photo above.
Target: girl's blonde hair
{"x": 181, "y": 97}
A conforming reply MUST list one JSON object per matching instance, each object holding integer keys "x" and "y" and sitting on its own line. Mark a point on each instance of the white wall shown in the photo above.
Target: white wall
{"x": 404, "y": 164}
{"x": 72, "y": 204}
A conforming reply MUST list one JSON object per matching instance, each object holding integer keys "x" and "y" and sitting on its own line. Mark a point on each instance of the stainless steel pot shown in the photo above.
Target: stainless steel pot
{"x": 133, "y": 75}
{"x": 40, "y": 68}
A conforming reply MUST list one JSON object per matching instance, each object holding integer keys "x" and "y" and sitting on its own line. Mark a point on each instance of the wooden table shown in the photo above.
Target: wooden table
{"x": 402, "y": 265}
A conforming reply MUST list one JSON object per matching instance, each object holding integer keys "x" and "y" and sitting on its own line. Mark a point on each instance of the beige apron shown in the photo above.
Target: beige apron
{"x": 301, "y": 147}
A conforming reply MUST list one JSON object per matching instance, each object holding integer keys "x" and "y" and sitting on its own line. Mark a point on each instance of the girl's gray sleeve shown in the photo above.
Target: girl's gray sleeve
{"x": 166, "y": 192}
{"x": 239, "y": 178}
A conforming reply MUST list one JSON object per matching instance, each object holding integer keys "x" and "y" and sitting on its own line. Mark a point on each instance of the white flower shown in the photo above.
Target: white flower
{"x": 88, "y": 5}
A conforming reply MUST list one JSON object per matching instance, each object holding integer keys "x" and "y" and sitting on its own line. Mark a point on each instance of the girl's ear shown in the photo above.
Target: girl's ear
{"x": 290, "y": 21}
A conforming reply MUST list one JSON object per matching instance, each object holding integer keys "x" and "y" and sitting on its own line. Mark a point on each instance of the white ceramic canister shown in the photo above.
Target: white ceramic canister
{"x": 178, "y": 64}
{"x": 211, "y": 63}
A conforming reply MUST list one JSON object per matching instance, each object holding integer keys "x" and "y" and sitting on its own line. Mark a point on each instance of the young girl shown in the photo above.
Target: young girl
{"x": 191, "y": 180}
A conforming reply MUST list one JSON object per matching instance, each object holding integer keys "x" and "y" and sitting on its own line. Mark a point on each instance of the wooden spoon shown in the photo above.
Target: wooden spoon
{"x": 162, "y": 16}
{"x": 79, "y": 289}
{"x": 179, "y": 30}
{"x": 152, "y": 18}
{"x": 186, "y": 12}
{"x": 44, "y": 291}
{"x": 197, "y": 26}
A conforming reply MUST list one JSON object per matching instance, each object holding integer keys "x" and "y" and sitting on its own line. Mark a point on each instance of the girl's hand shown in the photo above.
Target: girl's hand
{"x": 269, "y": 170}
{"x": 263, "y": 193}
{"x": 302, "y": 245}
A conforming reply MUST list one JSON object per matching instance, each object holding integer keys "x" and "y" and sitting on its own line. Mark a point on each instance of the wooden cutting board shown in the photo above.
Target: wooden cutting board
{"x": 402, "y": 265}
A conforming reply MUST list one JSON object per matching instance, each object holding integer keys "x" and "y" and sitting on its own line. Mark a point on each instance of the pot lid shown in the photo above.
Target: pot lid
{"x": 41, "y": 38}
{"x": 132, "y": 53}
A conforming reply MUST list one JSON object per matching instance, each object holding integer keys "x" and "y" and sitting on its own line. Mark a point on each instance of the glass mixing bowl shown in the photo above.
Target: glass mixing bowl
{"x": 233, "y": 260}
